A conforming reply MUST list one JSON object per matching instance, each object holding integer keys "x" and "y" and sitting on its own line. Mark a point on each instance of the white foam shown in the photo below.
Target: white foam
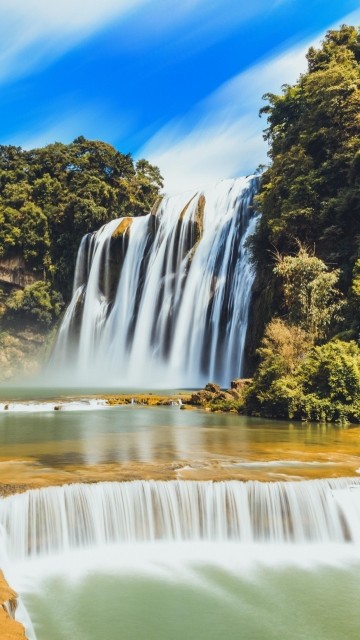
{"x": 61, "y": 405}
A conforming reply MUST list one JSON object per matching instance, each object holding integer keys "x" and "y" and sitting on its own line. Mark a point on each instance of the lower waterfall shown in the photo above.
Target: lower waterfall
{"x": 163, "y": 300}
{"x": 56, "y": 519}
{"x": 150, "y": 560}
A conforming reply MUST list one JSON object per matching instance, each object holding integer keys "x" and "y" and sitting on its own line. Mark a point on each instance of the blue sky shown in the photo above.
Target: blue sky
{"x": 176, "y": 81}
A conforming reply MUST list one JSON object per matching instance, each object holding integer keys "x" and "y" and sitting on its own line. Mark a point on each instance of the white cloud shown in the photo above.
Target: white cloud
{"x": 34, "y": 32}
{"x": 226, "y": 139}
{"x": 193, "y": 23}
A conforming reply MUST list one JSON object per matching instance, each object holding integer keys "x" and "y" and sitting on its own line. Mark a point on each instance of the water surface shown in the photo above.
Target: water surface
{"x": 197, "y": 593}
{"x": 128, "y": 442}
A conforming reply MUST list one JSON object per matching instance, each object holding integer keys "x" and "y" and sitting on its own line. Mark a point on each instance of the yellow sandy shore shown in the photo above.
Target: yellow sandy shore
{"x": 9, "y": 628}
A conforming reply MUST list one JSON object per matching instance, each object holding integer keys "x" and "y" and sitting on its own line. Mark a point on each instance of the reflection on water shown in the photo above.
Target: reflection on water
{"x": 187, "y": 440}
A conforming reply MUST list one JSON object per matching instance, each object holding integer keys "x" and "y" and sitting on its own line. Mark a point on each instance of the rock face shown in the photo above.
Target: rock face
{"x": 9, "y": 628}
{"x": 240, "y": 384}
{"x": 13, "y": 272}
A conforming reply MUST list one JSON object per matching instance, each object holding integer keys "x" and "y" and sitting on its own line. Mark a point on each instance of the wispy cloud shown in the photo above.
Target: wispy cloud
{"x": 222, "y": 136}
{"x": 226, "y": 139}
{"x": 194, "y": 22}
{"x": 34, "y": 32}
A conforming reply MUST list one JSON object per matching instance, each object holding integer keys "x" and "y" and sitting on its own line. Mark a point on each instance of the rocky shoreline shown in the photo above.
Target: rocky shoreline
{"x": 211, "y": 398}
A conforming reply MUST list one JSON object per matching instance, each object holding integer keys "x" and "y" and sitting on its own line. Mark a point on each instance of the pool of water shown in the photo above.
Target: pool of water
{"x": 200, "y": 593}
{"x": 51, "y": 447}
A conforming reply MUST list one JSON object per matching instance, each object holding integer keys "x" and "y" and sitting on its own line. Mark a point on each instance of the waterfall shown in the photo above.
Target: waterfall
{"x": 163, "y": 300}
{"x": 58, "y": 519}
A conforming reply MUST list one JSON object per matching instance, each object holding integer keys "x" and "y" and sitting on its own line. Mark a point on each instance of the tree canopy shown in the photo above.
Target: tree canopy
{"x": 311, "y": 190}
{"x": 310, "y": 197}
{"x": 51, "y": 197}
{"x": 312, "y": 300}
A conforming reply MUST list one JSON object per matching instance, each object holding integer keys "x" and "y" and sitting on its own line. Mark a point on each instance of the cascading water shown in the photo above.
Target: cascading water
{"x": 163, "y": 300}
{"x": 59, "y": 519}
{"x": 162, "y": 559}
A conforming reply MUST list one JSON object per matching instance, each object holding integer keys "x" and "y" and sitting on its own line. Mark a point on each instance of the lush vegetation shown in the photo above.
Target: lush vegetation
{"x": 51, "y": 197}
{"x": 300, "y": 374}
{"x": 309, "y": 239}
{"x": 311, "y": 190}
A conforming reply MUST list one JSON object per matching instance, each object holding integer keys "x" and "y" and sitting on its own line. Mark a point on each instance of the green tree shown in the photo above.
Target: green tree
{"x": 51, "y": 197}
{"x": 332, "y": 371}
{"x": 310, "y": 292}
{"x": 275, "y": 389}
{"x": 323, "y": 383}
{"x": 311, "y": 190}
{"x": 37, "y": 303}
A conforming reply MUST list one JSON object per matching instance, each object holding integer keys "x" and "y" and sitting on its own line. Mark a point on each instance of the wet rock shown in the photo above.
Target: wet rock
{"x": 9, "y": 628}
{"x": 212, "y": 387}
{"x": 122, "y": 227}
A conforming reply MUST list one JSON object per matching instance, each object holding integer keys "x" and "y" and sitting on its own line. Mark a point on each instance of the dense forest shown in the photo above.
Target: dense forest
{"x": 309, "y": 239}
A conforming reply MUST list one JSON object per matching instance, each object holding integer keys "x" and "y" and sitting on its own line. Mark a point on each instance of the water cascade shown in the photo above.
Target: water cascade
{"x": 163, "y": 300}
{"x": 59, "y": 519}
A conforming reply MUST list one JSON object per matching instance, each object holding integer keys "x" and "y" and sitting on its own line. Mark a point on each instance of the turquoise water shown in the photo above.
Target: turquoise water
{"x": 175, "y": 598}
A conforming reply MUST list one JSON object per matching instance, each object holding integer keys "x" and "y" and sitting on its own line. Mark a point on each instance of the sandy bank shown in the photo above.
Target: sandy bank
{"x": 9, "y": 628}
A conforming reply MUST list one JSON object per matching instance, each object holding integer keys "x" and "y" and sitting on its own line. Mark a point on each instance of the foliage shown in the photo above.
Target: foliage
{"x": 275, "y": 386}
{"x": 310, "y": 197}
{"x": 324, "y": 386}
{"x": 51, "y": 197}
{"x": 332, "y": 371}
{"x": 310, "y": 293}
{"x": 295, "y": 378}
{"x": 36, "y": 303}
{"x": 311, "y": 190}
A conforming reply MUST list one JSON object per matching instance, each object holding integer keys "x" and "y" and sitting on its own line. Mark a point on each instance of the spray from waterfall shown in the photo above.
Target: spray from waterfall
{"x": 163, "y": 300}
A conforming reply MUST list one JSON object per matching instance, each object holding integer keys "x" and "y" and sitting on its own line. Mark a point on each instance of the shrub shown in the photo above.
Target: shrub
{"x": 332, "y": 371}
{"x": 324, "y": 386}
{"x": 37, "y": 303}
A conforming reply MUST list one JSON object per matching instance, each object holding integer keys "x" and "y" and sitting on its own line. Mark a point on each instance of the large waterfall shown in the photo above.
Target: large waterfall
{"x": 163, "y": 300}
{"x": 58, "y": 519}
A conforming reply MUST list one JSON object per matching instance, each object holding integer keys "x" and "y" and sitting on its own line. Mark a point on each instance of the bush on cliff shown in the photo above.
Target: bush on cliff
{"x": 38, "y": 304}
